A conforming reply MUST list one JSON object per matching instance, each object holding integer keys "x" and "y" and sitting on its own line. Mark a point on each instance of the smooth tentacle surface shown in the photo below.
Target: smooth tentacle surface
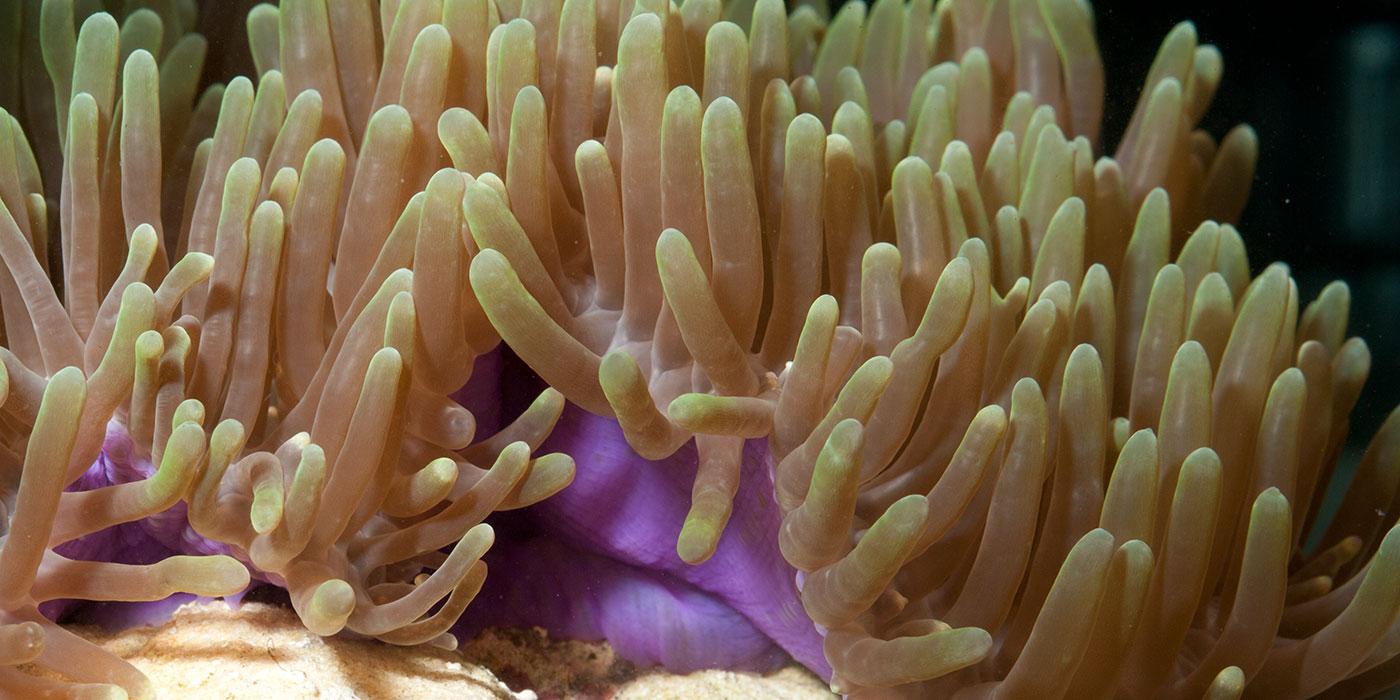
{"x": 1030, "y": 372}
{"x": 312, "y": 434}
{"x": 680, "y": 216}
{"x": 528, "y": 230}
{"x": 68, "y": 358}
{"x": 1032, "y": 424}
{"x": 1099, "y": 488}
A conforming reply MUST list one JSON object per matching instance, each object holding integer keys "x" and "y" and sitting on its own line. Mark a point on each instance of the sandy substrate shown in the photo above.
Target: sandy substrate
{"x": 261, "y": 651}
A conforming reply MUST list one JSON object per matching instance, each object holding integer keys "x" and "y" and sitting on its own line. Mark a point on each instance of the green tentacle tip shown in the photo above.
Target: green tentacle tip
{"x": 228, "y": 438}
{"x": 177, "y": 465}
{"x": 688, "y": 410}
{"x": 204, "y": 575}
{"x": 329, "y": 607}
{"x": 698, "y": 539}
{"x": 189, "y": 411}
{"x": 548, "y": 475}
{"x": 709, "y": 513}
{"x": 266, "y": 511}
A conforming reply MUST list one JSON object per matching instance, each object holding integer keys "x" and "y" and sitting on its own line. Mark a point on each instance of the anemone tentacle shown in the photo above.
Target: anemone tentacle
{"x": 1030, "y": 422}
{"x": 315, "y": 442}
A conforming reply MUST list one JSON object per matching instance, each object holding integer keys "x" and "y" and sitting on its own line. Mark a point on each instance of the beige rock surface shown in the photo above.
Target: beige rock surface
{"x": 261, "y": 651}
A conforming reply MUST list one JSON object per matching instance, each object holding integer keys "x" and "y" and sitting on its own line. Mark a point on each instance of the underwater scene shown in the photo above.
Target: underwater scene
{"x": 699, "y": 349}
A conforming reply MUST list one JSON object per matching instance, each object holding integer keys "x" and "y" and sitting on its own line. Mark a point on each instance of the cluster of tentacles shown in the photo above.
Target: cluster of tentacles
{"x": 1032, "y": 426}
{"x": 307, "y": 426}
{"x": 1040, "y": 431}
{"x": 1101, "y": 487}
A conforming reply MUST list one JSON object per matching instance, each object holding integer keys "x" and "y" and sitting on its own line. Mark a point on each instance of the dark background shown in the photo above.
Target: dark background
{"x": 1321, "y": 86}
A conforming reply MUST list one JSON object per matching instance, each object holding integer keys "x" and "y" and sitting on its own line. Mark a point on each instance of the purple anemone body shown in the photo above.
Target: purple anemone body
{"x": 598, "y": 560}
{"x": 595, "y": 562}
{"x": 145, "y": 541}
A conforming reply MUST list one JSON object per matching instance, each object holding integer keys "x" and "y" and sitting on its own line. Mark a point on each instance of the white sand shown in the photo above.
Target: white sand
{"x": 262, "y": 652}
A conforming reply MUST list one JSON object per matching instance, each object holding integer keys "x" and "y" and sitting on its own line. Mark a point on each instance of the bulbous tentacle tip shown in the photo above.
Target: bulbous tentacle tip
{"x": 687, "y": 410}
{"x": 211, "y": 576}
{"x": 701, "y": 532}
{"x": 21, "y": 643}
{"x": 624, "y": 385}
{"x": 481, "y": 535}
{"x": 549, "y": 474}
{"x": 1227, "y": 685}
{"x": 865, "y": 662}
{"x": 266, "y": 511}
{"x": 329, "y": 607}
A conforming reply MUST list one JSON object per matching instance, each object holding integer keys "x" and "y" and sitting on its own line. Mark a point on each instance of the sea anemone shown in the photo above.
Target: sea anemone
{"x": 1043, "y": 402}
{"x": 489, "y": 72}
{"x": 871, "y": 353}
{"x": 308, "y": 425}
{"x": 67, "y": 374}
{"x": 1090, "y": 494}
{"x": 1054, "y": 548}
